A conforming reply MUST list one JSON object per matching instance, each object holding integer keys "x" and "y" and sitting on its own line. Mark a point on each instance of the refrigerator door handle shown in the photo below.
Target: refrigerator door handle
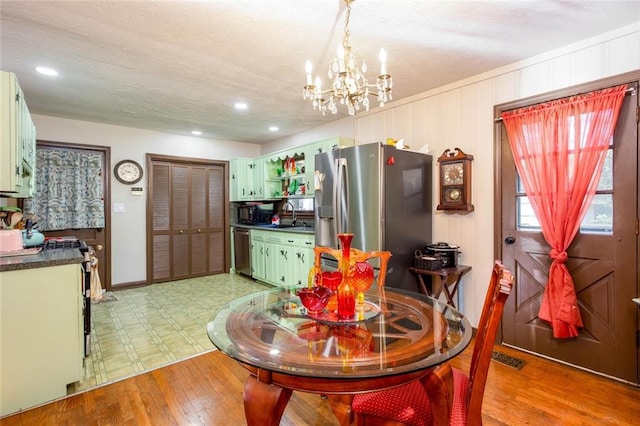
{"x": 341, "y": 198}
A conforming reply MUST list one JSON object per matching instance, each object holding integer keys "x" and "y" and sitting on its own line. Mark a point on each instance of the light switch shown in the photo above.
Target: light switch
{"x": 118, "y": 208}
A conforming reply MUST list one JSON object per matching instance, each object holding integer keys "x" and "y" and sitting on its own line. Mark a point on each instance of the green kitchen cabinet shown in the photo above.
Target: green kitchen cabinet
{"x": 273, "y": 257}
{"x": 258, "y": 255}
{"x": 17, "y": 140}
{"x": 266, "y": 264}
{"x": 258, "y": 183}
{"x": 281, "y": 258}
{"x": 297, "y": 259}
{"x": 247, "y": 179}
{"x": 284, "y": 174}
{"x": 281, "y": 174}
{"x": 302, "y": 259}
{"x": 241, "y": 179}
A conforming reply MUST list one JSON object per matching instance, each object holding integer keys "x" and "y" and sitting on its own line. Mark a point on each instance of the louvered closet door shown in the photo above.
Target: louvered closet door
{"x": 160, "y": 232}
{"x": 188, "y": 220}
{"x": 198, "y": 213}
{"x": 180, "y": 227}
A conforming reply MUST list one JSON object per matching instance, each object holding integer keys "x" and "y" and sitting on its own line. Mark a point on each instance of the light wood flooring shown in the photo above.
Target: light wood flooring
{"x": 207, "y": 390}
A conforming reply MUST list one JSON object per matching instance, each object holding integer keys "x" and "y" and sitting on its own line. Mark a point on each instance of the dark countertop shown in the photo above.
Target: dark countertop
{"x": 309, "y": 230}
{"x": 41, "y": 260}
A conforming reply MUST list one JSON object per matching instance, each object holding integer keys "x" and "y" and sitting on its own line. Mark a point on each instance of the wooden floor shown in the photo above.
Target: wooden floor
{"x": 207, "y": 390}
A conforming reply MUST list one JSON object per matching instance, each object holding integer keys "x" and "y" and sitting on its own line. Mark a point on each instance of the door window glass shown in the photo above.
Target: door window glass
{"x": 599, "y": 217}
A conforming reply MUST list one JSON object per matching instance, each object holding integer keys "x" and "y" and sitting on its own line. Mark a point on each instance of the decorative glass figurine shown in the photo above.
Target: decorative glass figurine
{"x": 353, "y": 278}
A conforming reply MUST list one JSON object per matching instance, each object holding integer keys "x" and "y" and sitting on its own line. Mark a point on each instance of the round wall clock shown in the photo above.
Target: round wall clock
{"x": 455, "y": 181}
{"x": 128, "y": 172}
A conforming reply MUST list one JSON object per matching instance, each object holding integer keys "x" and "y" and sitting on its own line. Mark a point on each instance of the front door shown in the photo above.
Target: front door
{"x": 602, "y": 261}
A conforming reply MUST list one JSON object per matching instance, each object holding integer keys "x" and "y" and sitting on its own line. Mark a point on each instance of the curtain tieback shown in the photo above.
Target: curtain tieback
{"x": 558, "y": 256}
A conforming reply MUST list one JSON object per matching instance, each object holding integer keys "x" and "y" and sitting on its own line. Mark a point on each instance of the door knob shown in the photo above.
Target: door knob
{"x": 99, "y": 247}
{"x": 509, "y": 240}
{"x": 181, "y": 232}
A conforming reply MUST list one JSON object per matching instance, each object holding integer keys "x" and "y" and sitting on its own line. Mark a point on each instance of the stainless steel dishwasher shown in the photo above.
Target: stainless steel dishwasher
{"x": 242, "y": 250}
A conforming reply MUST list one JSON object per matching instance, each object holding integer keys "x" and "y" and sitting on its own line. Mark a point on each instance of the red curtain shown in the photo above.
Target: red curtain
{"x": 559, "y": 148}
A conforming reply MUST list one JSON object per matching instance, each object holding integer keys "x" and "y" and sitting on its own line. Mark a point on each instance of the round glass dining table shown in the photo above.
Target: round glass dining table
{"x": 395, "y": 337}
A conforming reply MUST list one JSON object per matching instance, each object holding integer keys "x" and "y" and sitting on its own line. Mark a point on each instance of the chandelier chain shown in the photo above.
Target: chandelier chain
{"x": 347, "y": 33}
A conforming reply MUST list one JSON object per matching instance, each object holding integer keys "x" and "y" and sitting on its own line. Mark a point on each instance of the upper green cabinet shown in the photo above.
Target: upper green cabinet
{"x": 287, "y": 173}
{"x": 284, "y": 174}
{"x": 17, "y": 140}
{"x": 241, "y": 179}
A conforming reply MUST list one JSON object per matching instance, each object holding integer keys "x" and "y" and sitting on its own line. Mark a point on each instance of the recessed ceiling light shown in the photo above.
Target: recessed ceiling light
{"x": 196, "y": 132}
{"x": 241, "y": 105}
{"x": 47, "y": 71}
{"x": 274, "y": 128}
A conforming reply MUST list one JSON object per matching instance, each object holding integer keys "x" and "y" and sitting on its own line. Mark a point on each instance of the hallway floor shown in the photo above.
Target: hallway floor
{"x": 156, "y": 325}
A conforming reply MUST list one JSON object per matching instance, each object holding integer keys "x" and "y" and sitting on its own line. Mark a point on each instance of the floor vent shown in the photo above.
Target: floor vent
{"x": 507, "y": 360}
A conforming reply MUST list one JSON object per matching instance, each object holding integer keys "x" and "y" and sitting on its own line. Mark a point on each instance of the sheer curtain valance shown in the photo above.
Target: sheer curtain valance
{"x": 69, "y": 189}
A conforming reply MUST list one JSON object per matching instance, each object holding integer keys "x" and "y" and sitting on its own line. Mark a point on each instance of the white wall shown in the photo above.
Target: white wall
{"x": 128, "y": 229}
{"x": 461, "y": 115}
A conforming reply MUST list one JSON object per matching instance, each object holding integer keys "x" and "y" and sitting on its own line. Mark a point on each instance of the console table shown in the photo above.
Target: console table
{"x": 442, "y": 279}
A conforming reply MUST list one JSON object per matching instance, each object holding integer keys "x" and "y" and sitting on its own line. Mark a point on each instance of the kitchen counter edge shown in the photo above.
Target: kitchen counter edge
{"x": 41, "y": 260}
{"x": 297, "y": 230}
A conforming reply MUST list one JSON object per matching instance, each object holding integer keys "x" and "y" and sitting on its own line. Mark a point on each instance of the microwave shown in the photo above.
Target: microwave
{"x": 252, "y": 214}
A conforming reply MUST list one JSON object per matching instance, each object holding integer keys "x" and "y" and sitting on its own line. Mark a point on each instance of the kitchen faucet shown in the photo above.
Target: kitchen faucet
{"x": 293, "y": 211}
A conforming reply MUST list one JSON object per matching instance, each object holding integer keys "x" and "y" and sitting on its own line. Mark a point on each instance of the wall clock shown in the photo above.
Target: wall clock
{"x": 455, "y": 181}
{"x": 128, "y": 172}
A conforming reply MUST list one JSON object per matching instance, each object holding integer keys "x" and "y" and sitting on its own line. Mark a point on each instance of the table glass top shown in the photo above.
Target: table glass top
{"x": 397, "y": 332}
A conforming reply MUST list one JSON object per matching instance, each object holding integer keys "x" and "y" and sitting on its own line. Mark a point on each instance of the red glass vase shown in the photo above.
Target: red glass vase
{"x": 346, "y": 291}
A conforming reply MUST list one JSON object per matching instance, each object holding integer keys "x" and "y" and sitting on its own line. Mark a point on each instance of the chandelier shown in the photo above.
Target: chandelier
{"x": 349, "y": 86}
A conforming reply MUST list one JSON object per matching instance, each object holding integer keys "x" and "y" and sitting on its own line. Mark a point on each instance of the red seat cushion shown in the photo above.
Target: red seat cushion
{"x": 460, "y": 401}
{"x": 409, "y": 404}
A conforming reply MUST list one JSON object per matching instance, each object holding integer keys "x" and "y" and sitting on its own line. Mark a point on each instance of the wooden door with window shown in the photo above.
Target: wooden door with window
{"x": 187, "y": 206}
{"x": 96, "y": 237}
{"x": 603, "y": 260}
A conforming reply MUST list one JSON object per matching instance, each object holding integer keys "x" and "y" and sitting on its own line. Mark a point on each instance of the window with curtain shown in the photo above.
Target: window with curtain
{"x": 69, "y": 190}
{"x": 599, "y": 216}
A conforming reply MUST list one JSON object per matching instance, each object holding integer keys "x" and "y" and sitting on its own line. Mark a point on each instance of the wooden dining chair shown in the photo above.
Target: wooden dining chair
{"x": 447, "y": 396}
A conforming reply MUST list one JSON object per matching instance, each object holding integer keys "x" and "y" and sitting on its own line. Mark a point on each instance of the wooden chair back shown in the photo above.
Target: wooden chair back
{"x": 445, "y": 399}
{"x": 499, "y": 289}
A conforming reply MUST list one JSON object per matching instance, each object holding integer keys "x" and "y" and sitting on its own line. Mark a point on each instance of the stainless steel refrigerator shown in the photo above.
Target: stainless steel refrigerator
{"x": 380, "y": 194}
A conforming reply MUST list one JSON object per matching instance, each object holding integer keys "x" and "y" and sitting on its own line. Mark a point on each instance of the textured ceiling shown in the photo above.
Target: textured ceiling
{"x": 174, "y": 66}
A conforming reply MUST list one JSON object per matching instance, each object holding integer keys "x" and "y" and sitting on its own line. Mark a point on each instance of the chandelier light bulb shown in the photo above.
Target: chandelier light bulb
{"x": 383, "y": 62}
{"x": 309, "y": 68}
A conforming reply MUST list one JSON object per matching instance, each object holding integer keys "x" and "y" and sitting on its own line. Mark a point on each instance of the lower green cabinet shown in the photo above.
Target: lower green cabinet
{"x": 281, "y": 258}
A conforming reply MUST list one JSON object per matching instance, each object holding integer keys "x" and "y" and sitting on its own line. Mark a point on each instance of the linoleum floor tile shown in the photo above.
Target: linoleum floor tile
{"x": 152, "y": 326}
